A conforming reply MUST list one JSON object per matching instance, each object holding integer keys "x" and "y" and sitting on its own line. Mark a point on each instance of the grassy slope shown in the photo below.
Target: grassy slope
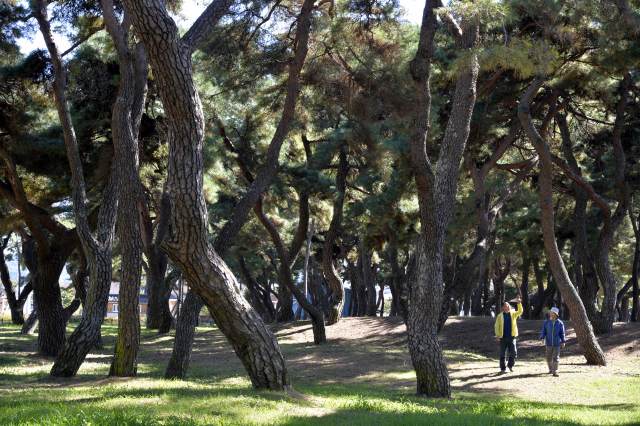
{"x": 347, "y": 382}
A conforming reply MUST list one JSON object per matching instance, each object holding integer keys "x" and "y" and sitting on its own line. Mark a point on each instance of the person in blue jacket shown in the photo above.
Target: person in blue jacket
{"x": 553, "y": 337}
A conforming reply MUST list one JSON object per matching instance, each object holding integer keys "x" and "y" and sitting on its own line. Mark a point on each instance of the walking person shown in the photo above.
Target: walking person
{"x": 506, "y": 332}
{"x": 553, "y": 338}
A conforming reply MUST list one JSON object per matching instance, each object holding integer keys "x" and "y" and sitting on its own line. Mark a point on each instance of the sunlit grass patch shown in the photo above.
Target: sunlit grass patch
{"x": 341, "y": 383}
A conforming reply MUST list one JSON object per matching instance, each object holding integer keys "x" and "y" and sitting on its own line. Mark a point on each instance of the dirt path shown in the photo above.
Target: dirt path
{"x": 373, "y": 351}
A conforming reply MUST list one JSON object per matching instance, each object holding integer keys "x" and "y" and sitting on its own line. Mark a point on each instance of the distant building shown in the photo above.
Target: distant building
{"x": 112, "y": 306}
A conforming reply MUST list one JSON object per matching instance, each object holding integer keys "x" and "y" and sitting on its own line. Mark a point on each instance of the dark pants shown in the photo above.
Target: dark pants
{"x": 553, "y": 357}
{"x": 508, "y": 344}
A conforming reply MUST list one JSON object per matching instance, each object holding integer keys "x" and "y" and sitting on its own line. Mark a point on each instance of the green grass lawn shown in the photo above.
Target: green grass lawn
{"x": 219, "y": 393}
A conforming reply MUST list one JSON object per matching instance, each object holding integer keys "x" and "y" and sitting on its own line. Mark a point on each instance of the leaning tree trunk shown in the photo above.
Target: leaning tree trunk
{"x": 317, "y": 316}
{"x": 602, "y": 321}
{"x": 97, "y": 250}
{"x": 335, "y": 310}
{"x": 188, "y": 243}
{"x": 31, "y": 323}
{"x": 581, "y": 324}
{"x": 185, "y": 333}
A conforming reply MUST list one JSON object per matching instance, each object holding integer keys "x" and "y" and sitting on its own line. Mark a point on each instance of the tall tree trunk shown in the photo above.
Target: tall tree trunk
{"x": 602, "y": 321}
{"x": 636, "y": 266}
{"x": 125, "y": 123}
{"x": 317, "y": 316}
{"x": 97, "y": 250}
{"x": 362, "y": 287}
{"x": 188, "y": 243}
{"x": 335, "y": 310}
{"x": 436, "y": 195}
{"x": 463, "y": 280}
{"x": 317, "y": 286}
{"x": 369, "y": 280}
{"x": 158, "y": 290}
{"x": 181, "y": 355}
{"x": 394, "y": 285}
{"x": 581, "y": 324}
{"x": 305, "y": 269}
{"x": 524, "y": 288}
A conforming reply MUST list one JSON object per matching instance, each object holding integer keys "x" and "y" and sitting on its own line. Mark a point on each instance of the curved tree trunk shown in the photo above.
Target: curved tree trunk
{"x": 602, "y": 321}
{"x": 30, "y": 325}
{"x": 188, "y": 243}
{"x": 317, "y": 316}
{"x": 582, "y": 326}
{"x": 335, "y": 310}
{"x": 463, "y": 281}
{"x": 97, "y": 250}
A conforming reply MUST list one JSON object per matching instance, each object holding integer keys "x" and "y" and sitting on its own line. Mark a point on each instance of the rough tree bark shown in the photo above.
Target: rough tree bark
{"x": 436, "y": 195}
{"x": 45, "y": 264}
{"x": 335, "y": 310}
{"x": 597, "y": 268}
{"x": 584, "y": 332}
{"x": 187, "y": 243}
{"x": 97, "y": 249}
{"x": 186, "y": 327}
{"x": 463, "y": 281}
{"x": 158, "y": 313}
{"x": 125, "y": 124}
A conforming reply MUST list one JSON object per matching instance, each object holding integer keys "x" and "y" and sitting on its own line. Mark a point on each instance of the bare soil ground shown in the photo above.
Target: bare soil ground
{"x": 374, "y": 351}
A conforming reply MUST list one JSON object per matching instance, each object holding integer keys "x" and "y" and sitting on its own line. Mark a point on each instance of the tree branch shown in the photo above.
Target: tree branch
{"x": 203, "y": 26}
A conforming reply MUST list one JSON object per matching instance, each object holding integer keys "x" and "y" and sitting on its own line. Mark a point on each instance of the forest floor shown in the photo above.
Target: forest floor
{"x": 363, "y": 375}
{"x": 472, "y": 355}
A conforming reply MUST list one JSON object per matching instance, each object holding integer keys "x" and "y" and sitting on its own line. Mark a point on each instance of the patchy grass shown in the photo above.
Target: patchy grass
{"x": 349, "y": 381}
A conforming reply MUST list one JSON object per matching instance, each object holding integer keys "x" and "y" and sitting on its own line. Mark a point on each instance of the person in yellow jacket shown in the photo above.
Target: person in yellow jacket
{"x": 506, "y": 333}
